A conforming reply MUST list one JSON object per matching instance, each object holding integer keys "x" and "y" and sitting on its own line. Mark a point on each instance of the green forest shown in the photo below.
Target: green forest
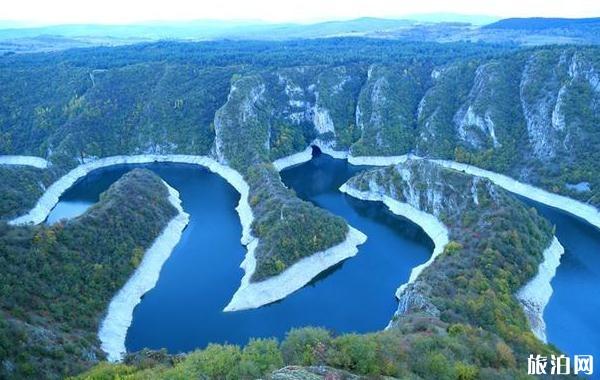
{"x": 468, "y": 326}
{"x": 56, "y": 281}
{"x": 530, "y": 113}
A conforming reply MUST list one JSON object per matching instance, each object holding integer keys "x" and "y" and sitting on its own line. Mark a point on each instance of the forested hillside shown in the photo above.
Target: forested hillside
{"x": 459, "y": 320}
{"x": 56, "y": 281}
{"x": 532, "y": 114}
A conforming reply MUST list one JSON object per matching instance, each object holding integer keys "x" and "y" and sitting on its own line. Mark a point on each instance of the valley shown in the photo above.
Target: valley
{"x": 322, "y": 151}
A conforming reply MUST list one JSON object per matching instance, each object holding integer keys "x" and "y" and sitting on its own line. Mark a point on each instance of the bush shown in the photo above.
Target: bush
{"x": 355, "y": 353}
{"x": 306, "y": 346}
{"x": 465, "y": 372}
{"x": 216, "y": 362}
{"x": 259, "y": 357}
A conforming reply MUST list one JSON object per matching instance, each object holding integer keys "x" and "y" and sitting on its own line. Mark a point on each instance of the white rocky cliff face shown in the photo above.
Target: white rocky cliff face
{"x": 535, "y": 295}
{"x": 470, "y": 124}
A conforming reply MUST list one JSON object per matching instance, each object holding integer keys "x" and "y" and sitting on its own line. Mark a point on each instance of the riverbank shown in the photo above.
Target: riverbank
{"x": 293, "y": 159}
{"x": 306, "y": 155}
{"x": 293, "y": 280}
{"x": 377, "y": 160}
{"x": 113, "y": 328}
{"x": 579, "y": 209}
{"x": 535, "y": 295}
{"x": 36, "y": 162}
{"x": 251, "y": 295}
{"x": 51, "y": 196}
{"x": 435, "y": 229}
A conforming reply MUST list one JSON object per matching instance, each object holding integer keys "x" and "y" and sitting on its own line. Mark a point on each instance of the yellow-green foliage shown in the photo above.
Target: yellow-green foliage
{"x": 421, "y": 350}
{"x": 57, "y": 280}
{"x": 289, "y": 228}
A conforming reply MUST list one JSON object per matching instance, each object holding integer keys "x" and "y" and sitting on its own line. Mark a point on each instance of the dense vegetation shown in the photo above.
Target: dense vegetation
{"x": 532, "y": 114}
{"x": 496, "y": 246}
{"x": 424, "y": 348}
{"x": 541, "y": 23}
{"x": 386, "y": 109}
{"x": 280, "y": 217}
{"x": 330, "y": 51}
{"x": 56, "y": 281}
{"x": 21, "y": 187}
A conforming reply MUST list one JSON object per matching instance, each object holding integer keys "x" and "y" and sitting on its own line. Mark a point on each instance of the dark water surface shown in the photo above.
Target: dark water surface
{"x": 184, "y": 310}
{"x": 573, "y": 313}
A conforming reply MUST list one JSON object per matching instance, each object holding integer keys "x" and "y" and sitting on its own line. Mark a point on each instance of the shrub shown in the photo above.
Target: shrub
{"x": 306, "y": 346}
{"x": 259, "y": 357}
{"x": 216, "y": 362}
{"x": 355, "y": 353}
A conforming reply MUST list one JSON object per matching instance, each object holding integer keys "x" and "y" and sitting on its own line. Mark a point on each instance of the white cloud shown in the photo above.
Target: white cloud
{"x": 127, "y": 11}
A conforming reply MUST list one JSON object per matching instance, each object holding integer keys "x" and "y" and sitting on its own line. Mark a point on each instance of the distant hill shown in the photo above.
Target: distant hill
{"x": 541, "y": 23}
{"x": 433, "y": 27}
{"x": 442, "y": 17}
{"x": 211, "y": 29}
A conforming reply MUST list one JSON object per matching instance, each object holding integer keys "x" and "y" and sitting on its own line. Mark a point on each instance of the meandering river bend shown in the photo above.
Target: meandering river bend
{"x": 184, "y": 310}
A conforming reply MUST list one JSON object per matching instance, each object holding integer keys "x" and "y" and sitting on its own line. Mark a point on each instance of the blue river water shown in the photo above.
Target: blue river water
{"x": 573, "y": 314}
{"x": 184, "y": 310}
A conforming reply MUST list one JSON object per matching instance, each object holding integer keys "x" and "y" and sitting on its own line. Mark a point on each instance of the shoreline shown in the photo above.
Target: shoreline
{"x": 435, "y": 229}
{"x": 306, "y": 155}
{"x": 36, "y": 162}
{"x": 51, "y": 196}
{"x": 325, "y": 147}
{"x": 574, "y": 207}
{"x": 293, "y": 159}
{"x": 535, "y": 295}
{"x": 113, "y": 328}
{"x": 569, "y": 205}
{"x": 251, "y": 295}
{"x": 377, "y": 160}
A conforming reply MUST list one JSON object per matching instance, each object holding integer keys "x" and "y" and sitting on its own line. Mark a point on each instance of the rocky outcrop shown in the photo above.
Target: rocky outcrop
{"x": 241, "y": 135}
{"x": 311, "y": 373}
{"x": 386, "y": 110}
{"x": 582, "y": 210}
{"x": 539, "y": 90}
{"x": 474, "y": 120}
{"x": 414, "y": 300}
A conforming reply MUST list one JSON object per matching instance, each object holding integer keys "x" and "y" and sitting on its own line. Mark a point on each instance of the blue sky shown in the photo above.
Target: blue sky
{"x": 130, "y": 11}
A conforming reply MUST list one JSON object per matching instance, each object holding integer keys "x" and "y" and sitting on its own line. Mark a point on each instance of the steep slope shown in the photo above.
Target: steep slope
{"x": 57, "y": 280}
{"x": 496, "y": 244}
{"x": 386, "y": 108}
{"x": 532, "y": 114}
{"x": 287, "y": 227}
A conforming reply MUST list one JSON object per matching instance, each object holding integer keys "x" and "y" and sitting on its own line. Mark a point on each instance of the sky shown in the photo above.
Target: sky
{"x": 132, "y": 11}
